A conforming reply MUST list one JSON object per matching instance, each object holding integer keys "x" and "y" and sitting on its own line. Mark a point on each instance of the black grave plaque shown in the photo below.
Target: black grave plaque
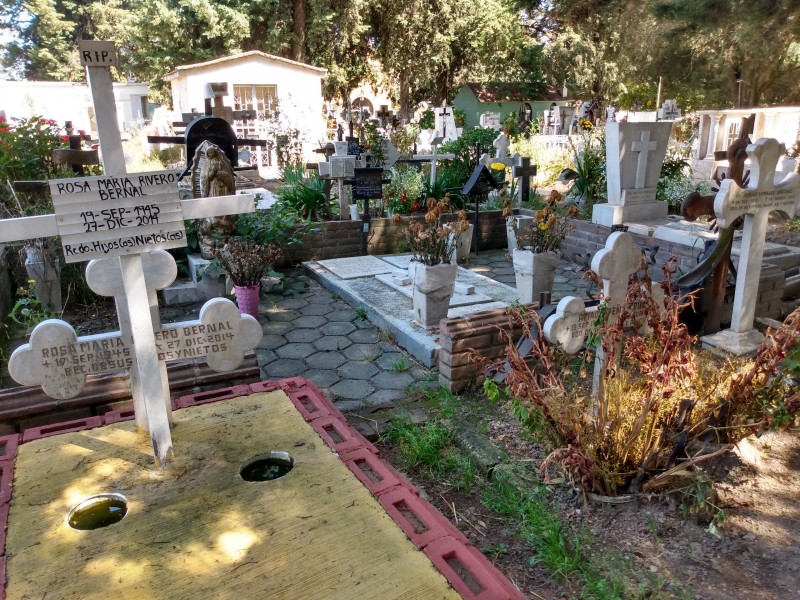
{"x": 353, "y": 147}
{"x": 368, "y": 183}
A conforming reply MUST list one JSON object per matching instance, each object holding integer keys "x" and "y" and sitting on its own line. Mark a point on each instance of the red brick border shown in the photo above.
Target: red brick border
{"x": 9, "y": 444}
{"x": 43, "y": 431}
{"x": 467, "y": 570}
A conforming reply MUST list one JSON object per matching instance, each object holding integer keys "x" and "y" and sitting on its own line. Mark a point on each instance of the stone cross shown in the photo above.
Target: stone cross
{"x": 121, "y": 217}
{"x": 643, "y": 147}
{"x": 501, "y": 143}
{"x": 523, "y": 171}
{"x": 754, "y": 202}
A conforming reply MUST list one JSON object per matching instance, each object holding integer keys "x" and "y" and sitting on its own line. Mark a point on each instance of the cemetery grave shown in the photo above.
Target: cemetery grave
{"x": 117, "y": 222}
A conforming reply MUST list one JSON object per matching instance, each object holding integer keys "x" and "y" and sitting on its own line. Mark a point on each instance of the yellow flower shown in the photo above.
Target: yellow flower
{"x": 543, "y": 226}
{"x": 31, "y": 281}
{"x": 498, "y": 166}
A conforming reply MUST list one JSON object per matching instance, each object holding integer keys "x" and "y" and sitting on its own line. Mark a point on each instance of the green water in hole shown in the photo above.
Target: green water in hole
{"x": 98, "y": 512}
{"x": 266, "y": 469}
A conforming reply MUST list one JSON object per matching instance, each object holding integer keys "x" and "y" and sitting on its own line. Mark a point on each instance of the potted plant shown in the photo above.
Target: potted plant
{"x": 432, "y": 273}
{"x": 246, "y": 262}
{"x": 538, "y": 240}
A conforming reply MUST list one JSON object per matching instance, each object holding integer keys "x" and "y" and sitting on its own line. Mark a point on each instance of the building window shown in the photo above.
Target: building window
{"x": 261, "y": 101}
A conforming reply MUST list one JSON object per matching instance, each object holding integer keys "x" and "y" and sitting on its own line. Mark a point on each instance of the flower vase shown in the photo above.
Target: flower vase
{"x": 463, "y": 246}
{"x": 247, "y": 298}
{"x": 534, "y": 272}
{"x": 432, "y": 288}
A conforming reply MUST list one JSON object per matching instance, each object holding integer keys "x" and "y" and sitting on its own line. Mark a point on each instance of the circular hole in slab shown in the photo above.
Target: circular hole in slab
{"x": 266, "y": 467}
{"x": 98, "y": 511}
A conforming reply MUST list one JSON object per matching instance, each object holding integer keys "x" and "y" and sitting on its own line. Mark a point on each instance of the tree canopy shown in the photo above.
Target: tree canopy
{"x": 707, "y": 53}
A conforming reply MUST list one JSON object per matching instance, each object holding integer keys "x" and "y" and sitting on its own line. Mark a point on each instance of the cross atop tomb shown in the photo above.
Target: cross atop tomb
{"x": 755, "y": 202}
{"x": 501, "y": 144}
{"x": 434, "y": 156}
{"x": 523, "y": 171}
{"x": 118, "y": 218}
{"x": 644, "y": 146}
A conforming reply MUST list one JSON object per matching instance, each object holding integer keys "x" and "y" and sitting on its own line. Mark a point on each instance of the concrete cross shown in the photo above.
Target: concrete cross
{"x": 755, "y": 202}
{"x": 122, "y": 217}
{"x": 643, "y": 147}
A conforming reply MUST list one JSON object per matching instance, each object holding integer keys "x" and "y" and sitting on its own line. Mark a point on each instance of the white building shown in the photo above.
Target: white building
{"x": 259, "y": 83}
{"x": 65, "y": 101}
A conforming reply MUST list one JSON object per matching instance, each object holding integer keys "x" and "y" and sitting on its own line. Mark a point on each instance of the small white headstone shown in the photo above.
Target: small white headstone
{"x": 501, "y": 144}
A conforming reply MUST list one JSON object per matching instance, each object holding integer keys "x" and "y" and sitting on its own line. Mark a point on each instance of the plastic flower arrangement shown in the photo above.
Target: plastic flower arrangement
{"x": 584, "y": 124}
{"x": 433, "y": 242}
{"x": 550, "y": 224}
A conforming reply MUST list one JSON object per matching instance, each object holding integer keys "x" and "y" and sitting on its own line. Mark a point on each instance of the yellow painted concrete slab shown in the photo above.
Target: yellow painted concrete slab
{"x": 198, "y": 531}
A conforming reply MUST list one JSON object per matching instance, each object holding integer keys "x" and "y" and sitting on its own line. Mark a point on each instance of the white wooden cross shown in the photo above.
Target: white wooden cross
{"x": 572, "y": 321}
{"x": 643, "y": 147}
{"x": 434, "y": 156}
{"x": 755, "y": 202}
{"x": 120, "y": 218}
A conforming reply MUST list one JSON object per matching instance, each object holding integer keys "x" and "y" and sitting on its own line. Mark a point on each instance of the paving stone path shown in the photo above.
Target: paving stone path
{"x": 310, "y": 332}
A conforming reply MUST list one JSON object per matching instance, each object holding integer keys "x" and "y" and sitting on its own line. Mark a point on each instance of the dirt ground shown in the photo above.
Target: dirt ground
{"x": 651, "y": 542}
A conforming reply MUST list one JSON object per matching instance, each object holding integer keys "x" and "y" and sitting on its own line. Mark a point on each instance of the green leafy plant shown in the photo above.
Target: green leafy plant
{"x": 399, "y": 365}
{"x": 401, "y": 196}
{"x": 361, "y": 313}
{"x": 427, "y": 120}
{"x": 304, "y": 193}
{"x": 587, "y": 173}
{"x": 374, "y": 144}
{"x": 550, "y": 225}
{"x": 28, "y": 310}
{"x": 280, "y": 226}
{"x": 26, "y": 153}
{"x": 456, "y": 172}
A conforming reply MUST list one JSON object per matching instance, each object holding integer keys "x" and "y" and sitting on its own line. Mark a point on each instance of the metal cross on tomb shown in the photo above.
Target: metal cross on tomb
{"x": 443, "y": 116}
{"x": 123, "y": 223}
{"x": 644, "y": 146}
{"x": 755, "y": 202}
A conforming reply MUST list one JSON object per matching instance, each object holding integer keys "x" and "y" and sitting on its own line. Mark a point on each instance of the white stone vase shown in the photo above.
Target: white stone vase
{"x": 45, "y": 270}
{"x": 534, "y": 272}
{"x": 463, "y": 246}
{"x": 431, "y": 290}
{"x": 354, "y": 216}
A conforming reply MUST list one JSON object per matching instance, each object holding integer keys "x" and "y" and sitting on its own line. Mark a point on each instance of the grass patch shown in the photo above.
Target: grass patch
{"x": 399, "y": 365}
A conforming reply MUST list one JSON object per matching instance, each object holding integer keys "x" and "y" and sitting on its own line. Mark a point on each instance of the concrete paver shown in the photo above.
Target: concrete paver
{"x": 315, "y": 334}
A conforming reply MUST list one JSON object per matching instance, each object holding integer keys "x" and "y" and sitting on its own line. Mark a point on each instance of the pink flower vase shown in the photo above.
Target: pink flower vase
{"x": 247, "y": 298}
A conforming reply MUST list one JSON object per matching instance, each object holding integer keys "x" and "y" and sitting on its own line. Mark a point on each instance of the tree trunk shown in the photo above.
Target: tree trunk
{"x": 404, "y": 94}
{"x": 298, "y": 29}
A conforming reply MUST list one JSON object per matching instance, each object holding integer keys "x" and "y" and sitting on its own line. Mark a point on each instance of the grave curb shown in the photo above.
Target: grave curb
{"x": 9, "y": 444}
{"x": 440, "y": 541}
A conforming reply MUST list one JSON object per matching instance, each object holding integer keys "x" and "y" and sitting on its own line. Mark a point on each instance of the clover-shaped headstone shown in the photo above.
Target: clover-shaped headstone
{"x": 59, "y": 361}
{"x": 570, "y": 324}
{"x": 222, "y": 334}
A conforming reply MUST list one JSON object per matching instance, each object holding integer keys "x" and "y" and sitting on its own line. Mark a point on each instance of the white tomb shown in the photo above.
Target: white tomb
{"x": 634, "y": 155}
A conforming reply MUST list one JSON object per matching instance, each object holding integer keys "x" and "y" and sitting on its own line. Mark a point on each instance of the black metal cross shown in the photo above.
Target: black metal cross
{"x": 383, "y": 114}
{"x": 443, "y": 116}
{"x": 525, "y": 171}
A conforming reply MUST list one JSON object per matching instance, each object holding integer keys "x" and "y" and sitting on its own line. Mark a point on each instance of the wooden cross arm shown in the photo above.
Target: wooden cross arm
{"x": 66, "y": 156}
{"x": 41, "y": 226}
